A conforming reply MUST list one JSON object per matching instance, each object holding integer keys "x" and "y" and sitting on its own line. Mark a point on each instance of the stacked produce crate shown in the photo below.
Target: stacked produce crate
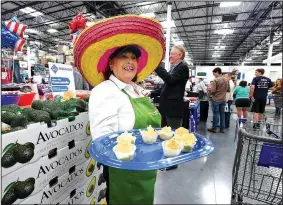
{"x": 49, "y": 163}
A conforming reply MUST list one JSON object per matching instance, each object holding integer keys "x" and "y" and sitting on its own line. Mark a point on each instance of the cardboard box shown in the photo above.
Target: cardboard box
{"x": 78, "y": 195}
{"x": 55, "y": 164}
{"x": 38, "y": 140}
{"x": 59, "y": 187}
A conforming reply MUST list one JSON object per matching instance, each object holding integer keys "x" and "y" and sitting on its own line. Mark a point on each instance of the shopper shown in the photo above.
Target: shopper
{"x": 171, "y": 103}
{"x": 259, "y": 90}
{"x": 229, "y": 99}
{"x": 201, "y": 89}
{"x": 218, "y": 92}
{"x": 242, "y": 93}
{"x": 277, "y": 97}
{"x": 116, "y": 102}
{"x": 80, "y": 82}
{"x": 189, "y": 85}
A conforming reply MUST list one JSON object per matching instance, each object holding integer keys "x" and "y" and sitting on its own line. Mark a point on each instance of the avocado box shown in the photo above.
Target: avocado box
{"x": 55, "y": 164}
{"x": 86, "y": 192}
{"x": 26, "y": 146}
{"x": 59, "y": 187}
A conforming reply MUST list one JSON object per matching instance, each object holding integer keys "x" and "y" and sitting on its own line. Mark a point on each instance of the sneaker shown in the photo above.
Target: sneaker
{"x": 211, "y": 130}
{"x": 222, "y": 131}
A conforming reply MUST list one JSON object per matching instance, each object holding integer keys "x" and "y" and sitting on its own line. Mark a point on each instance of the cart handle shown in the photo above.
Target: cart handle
{"x": 263, "y": 139}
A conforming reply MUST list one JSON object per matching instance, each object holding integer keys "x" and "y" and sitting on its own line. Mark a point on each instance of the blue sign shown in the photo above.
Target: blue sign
{"x": 54, "y": 68}
{"x": 59, "y": 88}
{"x": 60, "y": 81}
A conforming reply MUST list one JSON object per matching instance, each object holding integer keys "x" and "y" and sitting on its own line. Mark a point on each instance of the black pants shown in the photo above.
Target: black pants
{"x": 173, "y": 122}
{"x": 228, "y": 114}
{"x": 106, "y": 177}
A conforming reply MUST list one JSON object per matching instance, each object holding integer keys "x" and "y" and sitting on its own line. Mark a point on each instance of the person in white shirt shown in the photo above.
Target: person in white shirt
{"x": 116, "y": 102}
{"x": 201, "y": 89}
{"x": 229, "y": 99}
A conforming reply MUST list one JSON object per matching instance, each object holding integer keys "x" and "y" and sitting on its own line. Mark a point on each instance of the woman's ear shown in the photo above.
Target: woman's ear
{"x": 111, "y": 65}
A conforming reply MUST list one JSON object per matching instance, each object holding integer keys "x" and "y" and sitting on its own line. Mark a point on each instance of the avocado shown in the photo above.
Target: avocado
{"x": 19, "y": 121}
{"x": 87, "y": 129}
{"x": 7, "y": 117}
{"x": 87, "y": 155}
{"x": 23, "y": 153}
{"x": 93, "y": 200}
{"x": 91, "y": 187}
{"x": 86, "y": 99}
{"x": 9, "y": 197}
{"x": 90, "y": 167}
{"x": 37, "y": 105}
{"x": 102, "y": 194}
{"x": 101, "y": 179}
{"x": 11, "y": 108}
{"x": 8, "y": 159}
{"x": 104, "y": 202}
{"x": 24, "y": 188}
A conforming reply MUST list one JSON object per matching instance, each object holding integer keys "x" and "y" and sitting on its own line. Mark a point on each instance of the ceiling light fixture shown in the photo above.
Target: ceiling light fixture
{"x": 51, "y": 30}
{"x": 31, "y": 11}
{"x": 30, "y": 30}
{"x": 216, "y": 56}
{"x": 224, "y": 31}
{"x": 229, "y": 4}
{"x": 219, "y": 47}
{"x": 150, "y": 15}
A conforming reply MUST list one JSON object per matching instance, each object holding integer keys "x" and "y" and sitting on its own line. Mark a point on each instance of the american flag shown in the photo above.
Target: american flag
{"x": 20, "y": 44}
{"x": 16, "y": 27}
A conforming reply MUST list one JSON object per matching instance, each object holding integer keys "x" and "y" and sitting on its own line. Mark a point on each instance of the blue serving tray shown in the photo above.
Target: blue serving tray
{"x": 147, "y": 156}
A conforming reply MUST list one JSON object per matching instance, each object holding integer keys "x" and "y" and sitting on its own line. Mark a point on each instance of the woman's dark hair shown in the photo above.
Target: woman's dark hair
{"x": 243, "y": 83}
{"x": 260, "y": 70}
{"x": 217, "y": 70}
{"x": 249, "y": 84}
{"x": 109, "y": 72}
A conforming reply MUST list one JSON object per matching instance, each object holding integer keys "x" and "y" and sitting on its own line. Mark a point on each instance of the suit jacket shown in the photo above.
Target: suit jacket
{"x": 80, "y": 82}
{"x": 171, "y": 102}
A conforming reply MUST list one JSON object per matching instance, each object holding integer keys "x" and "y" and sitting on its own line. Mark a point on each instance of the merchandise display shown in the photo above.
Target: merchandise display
{"x": 136, "y": 103}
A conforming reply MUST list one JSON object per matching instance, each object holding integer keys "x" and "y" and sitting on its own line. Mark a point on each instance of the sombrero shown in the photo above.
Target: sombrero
{"x": 96, "y": 43}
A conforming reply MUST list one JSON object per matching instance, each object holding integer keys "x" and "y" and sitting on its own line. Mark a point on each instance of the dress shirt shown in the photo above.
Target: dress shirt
{"x": 110, "y": 109}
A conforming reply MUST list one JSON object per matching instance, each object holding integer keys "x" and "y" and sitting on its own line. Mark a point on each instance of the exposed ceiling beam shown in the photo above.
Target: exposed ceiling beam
{"x": 20, "y": 7}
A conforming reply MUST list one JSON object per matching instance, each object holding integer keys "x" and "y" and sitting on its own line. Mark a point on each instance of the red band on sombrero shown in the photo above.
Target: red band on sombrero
{"x": 103, "y": 61}
{"x": 96, "y": 43}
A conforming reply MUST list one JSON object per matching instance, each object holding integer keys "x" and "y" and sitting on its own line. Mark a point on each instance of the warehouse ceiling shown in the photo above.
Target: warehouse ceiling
{"x": 210, "y": 31}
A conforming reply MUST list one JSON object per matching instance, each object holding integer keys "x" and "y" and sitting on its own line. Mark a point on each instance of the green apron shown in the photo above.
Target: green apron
{"x": 135, "y": 187}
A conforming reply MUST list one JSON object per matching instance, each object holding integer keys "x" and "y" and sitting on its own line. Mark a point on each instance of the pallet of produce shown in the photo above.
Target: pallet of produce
{"x": 29, "y": 142}
{"x": 56, "y": 163}
{"x": 57, "y": 189}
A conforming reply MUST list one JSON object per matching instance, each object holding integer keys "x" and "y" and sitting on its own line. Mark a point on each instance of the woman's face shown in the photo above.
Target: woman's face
{"x": 278, "y": 82}
{"x": 124, "y": 67}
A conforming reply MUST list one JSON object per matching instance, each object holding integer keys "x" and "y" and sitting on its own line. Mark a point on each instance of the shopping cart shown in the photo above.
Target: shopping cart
{"x": 269, "y": 126}
{"x": 257, "y": 169}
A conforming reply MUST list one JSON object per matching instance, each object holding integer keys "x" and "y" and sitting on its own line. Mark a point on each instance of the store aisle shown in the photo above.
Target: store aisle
{"x": 204, "y": 181}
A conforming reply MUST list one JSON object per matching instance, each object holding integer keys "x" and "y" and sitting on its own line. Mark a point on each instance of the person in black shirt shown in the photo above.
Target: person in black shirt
{"x": 259, "y": 90}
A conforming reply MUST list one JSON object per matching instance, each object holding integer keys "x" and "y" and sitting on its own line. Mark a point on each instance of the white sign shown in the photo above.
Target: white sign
{"x": 61, "y": 78}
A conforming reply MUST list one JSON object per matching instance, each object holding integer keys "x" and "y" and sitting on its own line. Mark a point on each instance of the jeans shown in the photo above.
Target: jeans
{"x": 218, "y": 109}
{"x": 228, "y": 114}
{"x": 277, "y": 111}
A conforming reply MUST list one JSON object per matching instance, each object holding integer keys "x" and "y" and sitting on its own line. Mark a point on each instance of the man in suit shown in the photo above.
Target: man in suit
{"x": 171, "y": 103}
{"x": 80, "y": 82}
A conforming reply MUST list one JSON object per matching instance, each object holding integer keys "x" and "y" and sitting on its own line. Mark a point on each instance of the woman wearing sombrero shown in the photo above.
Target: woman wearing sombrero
{"x": 113, "y": 55}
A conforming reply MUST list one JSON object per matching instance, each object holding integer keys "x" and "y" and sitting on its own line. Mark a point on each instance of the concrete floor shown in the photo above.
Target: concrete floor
{"x": 207, "y": 180}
